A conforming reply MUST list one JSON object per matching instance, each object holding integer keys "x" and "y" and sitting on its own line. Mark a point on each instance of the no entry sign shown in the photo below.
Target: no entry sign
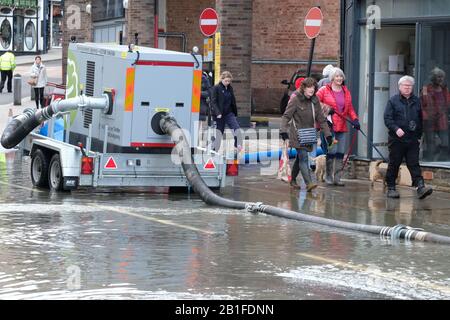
{"x": 209, "y": 22}
{"x": 313, "y": 22}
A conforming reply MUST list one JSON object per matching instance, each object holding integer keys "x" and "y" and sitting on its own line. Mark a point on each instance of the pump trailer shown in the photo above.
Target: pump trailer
{"x": 116, "y": 98}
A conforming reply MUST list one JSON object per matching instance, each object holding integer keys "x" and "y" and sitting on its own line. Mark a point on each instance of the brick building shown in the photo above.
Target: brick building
{"x": 262, "y": 40}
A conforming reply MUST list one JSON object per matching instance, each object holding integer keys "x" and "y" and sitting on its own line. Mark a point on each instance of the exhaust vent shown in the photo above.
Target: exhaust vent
{"x": 90, "y": 83}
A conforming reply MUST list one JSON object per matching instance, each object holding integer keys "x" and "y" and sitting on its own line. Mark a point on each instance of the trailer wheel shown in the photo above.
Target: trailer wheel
{"x": 55, "y": 177}
{"x": 39, "y": 169}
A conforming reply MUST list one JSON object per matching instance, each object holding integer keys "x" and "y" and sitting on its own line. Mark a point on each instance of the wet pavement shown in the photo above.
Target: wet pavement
{"x": 148, "y": 244}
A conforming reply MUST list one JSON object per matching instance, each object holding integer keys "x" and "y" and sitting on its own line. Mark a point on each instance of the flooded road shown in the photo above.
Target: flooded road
{"x": 147, "y": 244}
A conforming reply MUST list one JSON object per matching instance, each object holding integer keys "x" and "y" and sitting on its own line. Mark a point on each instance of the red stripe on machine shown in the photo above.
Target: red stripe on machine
{"x": 164, "y": 63}
{"x": 152, "y": 145}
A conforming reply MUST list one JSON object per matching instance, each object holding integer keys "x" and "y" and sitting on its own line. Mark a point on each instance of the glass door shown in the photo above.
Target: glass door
{"x": 395, "y": 49}
{"x": 432, "y": 86}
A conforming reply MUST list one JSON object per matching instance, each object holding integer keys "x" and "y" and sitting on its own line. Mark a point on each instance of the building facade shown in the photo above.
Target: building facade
{"x": 385, "y": 40}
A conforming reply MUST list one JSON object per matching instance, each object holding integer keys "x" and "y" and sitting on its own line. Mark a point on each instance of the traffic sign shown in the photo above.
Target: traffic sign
{"x": 209, "y": 22}
{"x": 313, "y": 22}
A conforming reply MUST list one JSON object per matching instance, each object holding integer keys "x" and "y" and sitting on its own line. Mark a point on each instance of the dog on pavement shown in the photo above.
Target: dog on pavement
{"x": 380, "y": 174}
{"x": 320, "y": 167}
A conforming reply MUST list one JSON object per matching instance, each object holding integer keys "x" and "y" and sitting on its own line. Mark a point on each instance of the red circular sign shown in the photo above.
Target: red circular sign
{"x": 313, "y": 22}
{"x": 209, "y": 22}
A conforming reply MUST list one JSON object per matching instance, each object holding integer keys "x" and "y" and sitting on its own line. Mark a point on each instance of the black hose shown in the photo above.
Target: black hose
{"x": 21, "y": 126}
{"x": 169, "y": 126}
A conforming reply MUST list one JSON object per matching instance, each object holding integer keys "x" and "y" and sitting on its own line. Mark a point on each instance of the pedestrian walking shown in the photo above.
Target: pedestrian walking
{"x": 7, "y": 66}
{"x": 302, "y": 112}
{"x": 403, "y": 117}
{"x": 225, "y": 109}
{"x": 38, "y": 80}
{"x": 337, "y": 97}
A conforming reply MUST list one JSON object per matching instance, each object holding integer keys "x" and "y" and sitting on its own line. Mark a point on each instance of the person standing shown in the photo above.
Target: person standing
{"x": 39, "y": 72}
{"x": 403, "y": 117}
{"x": 303, "y": 111}
{"x": 224, "y": 107}
{"x": 336, "y": 97}
{"x": 7, "y": 66}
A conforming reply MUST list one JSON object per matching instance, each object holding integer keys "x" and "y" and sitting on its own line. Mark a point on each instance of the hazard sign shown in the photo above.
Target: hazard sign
{"x": 210, "y": 165}
{"x": 111, "y": 164}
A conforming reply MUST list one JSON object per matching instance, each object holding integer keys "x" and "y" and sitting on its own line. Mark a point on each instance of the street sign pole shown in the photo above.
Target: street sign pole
{"x": 311, "y": 54}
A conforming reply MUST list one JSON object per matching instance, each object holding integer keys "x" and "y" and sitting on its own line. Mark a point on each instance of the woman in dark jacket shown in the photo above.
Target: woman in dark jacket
{"x": 224, "y": 106}
{"x": 299, "y": 114}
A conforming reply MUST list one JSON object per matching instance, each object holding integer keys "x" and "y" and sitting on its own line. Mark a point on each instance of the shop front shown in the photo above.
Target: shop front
{"x": 385, "y": 40}
{"x": 19, "y": 25}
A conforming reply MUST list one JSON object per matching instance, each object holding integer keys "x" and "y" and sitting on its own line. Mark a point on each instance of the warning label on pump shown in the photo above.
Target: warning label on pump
{"x": 111, "y": 164}
{"x": 210, "y": 165}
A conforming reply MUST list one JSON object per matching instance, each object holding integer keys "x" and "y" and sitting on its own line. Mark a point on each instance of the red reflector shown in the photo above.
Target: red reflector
{"x": 209, "y": 165}
{"x": 233, "y": 168}
{"x": 87, "y": 165}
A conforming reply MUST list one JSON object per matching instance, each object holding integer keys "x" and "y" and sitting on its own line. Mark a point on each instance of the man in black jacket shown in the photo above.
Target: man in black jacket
{"x": 403, "y": 118}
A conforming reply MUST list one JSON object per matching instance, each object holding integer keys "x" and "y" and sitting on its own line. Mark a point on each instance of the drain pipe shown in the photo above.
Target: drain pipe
{"x": 169, "y": 126}
{"x": 23, "y": 124}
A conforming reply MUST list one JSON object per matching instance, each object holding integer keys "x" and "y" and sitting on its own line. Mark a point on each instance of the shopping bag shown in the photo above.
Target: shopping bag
{"x": 284, "y": 170}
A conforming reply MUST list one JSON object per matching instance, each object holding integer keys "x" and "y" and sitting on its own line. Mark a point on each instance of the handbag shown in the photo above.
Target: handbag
{"x": 32, "y": 81}
{"x": 307, "y": 136}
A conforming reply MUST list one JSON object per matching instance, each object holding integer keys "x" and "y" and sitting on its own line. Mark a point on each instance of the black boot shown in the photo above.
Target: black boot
{"x": 422, "y": 190}
{"x": 392, "y": 193}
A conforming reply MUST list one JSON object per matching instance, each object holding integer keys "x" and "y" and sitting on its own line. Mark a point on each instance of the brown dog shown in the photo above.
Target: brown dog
{"x": 380, "y": 174}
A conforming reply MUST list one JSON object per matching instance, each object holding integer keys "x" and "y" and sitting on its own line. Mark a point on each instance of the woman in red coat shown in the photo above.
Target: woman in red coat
{"x": 337, "y": 97}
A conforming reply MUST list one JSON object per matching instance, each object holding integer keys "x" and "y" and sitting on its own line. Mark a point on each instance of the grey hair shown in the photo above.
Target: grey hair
{"x": 336, "y": 72}
{"x": 436, "y": 72}
{"x": 406, "y": 78}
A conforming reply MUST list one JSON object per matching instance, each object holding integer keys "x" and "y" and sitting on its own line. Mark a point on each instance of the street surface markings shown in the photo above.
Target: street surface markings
{"x": 20, "y": 187}
{"x": 362, "y": 268}
{"x": 166, "y": 222}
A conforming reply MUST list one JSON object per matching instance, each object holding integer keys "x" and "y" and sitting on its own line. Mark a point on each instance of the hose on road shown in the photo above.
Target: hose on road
{"x": 170, "y": 126}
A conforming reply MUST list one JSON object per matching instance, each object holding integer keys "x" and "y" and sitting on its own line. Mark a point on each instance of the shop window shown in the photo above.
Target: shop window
{"x": 107, "y": 9}
{"x": 57, "y": 35}
{"x": 434, "y": 93}
{"x": 6, "y": 36}
{"x": 409, "y": 8}
{"x": 30, "y": 35}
